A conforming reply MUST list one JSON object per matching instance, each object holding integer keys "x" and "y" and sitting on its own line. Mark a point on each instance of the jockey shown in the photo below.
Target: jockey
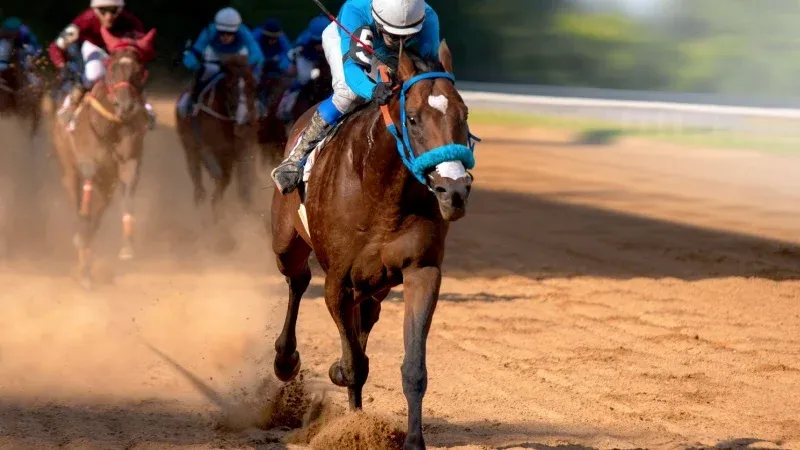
{"x": 383, "y": 24}
{"x": 85, "y": 31}
{"x": 227, "y": 35}
{"x": 25, "y": 40}
{"x": 275, "y": 46}
{"x": 306, "y": 52}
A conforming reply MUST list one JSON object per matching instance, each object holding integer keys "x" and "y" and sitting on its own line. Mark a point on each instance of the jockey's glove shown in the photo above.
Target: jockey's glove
{"x": 382, "y": 93}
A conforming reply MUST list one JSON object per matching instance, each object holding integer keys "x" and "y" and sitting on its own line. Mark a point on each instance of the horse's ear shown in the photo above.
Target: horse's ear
{"x": 445, "y": 57}
{"x": 405, "y": 68}
{"x": 109, "y": 39}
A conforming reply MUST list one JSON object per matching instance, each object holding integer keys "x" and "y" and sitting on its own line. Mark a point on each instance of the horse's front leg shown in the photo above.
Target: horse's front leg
{"x": 129, "y": 176}
{"x": 352, "y": 369}
{"x": 421, "y": 292}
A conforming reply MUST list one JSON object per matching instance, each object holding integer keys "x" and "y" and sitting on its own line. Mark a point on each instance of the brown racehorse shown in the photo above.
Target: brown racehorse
{"x": 374, "y": 224}
{"x": 18, "y": 96}
{"x": 106, "y": 144}
{"x": 271, "y": 129}
{"x": 223, "y": 133}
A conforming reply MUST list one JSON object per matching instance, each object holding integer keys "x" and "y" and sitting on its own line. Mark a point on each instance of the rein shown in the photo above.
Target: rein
{"x": 419, "y": 165}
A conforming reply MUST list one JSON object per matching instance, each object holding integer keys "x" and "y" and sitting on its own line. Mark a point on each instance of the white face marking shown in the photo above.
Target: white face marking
{"x": 438, "y": 102}
{"x": 451, "y": 169}
{"x": 125, "y": 60}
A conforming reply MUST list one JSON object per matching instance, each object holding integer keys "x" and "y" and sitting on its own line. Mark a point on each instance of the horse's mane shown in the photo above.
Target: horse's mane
{"x": 421, "y": 64}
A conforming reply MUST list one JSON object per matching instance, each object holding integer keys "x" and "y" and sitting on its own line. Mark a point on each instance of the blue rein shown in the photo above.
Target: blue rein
{"x": 419, "y": 165}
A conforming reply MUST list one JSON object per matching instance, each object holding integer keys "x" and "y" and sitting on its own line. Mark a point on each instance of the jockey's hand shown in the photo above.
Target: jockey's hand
{"x": 382, "y": 93}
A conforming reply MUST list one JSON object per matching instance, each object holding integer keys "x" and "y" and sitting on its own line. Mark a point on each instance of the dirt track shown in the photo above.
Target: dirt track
{"x": 595, "y": 297}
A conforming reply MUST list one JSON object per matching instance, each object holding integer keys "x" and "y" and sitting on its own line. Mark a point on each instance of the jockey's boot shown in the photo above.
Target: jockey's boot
{"x": 66, "y": 114}
{"x": 288, "y": 174}
{"x": 187, "y": 105}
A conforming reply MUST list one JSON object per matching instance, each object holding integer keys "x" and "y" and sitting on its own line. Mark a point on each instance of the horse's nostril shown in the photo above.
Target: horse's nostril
{"x": 440, "y": 190}
{"x": 469, "y": 188}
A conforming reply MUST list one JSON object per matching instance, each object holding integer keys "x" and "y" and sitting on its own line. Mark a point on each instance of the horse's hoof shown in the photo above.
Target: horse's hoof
{"x": 336, "y": 375}
{"x": 287, "y": 369}
{"x": 126, "y": 253}
{"x": 414, "y": 443}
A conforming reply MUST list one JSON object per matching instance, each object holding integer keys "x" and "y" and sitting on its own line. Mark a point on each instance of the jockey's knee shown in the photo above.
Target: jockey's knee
{"x": 344, "y": 100}
{"x": 329, "y": 112}
{"x": 94, "y": 70}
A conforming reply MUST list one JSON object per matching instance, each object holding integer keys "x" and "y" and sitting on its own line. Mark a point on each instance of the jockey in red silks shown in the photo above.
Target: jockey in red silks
{"x": 84, "y": 31}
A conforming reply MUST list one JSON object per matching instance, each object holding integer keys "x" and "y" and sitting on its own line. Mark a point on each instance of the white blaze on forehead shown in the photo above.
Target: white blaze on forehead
{"x": 438, "y": 102}
{"x": 126, "y": 60}
{"x": 451, "y": 169}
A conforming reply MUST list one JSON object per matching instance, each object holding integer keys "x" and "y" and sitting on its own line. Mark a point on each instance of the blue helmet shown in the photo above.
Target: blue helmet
{"x": 272, "y": 27}
{"x": 11, "y": 24}
{"x": 317, "y": 26}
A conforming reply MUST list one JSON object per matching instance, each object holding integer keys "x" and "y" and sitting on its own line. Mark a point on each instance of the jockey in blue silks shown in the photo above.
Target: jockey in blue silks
{"x": 306, "y": 53}
{"x": 384, "y": 25}
{"x": 225, "y": 36}
{"x": 25, "y": 41}
{"x": 275, "y": 46}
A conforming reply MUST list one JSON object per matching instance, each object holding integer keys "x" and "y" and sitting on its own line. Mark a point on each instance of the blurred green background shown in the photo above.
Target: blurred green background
{"x": 711, "y": 46}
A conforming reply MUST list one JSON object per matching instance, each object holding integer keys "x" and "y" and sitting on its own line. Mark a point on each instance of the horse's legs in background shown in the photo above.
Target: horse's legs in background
{"x": 194, "y": 166}
{"x": 352, "y": 369}
{"x": 129, "y": 175}
{"x": 292, "y": 263}
{"x": 220, "y": 186}
{"x": 421, "y": 292}
{"x": 246, "y": 174}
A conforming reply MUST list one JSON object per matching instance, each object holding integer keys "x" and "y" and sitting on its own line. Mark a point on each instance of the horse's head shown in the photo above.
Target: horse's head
{"x": 238, "y": 88}
{"x": 435, "y": 130}
{"x": 126, "y": 73}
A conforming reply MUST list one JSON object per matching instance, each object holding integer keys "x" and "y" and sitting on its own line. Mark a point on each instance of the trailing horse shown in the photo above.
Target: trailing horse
{"x": 222, "y": 133}
{"x": 106, "y": 145}
{"x": 19, "y": 95}
{"x": 271, "y": 129}
{"x": 375, "y": 208}
{"x": 318, "y": 89}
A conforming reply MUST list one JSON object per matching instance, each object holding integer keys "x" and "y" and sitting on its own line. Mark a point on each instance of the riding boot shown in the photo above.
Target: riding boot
{"x": 67, "y": 112}
{"x": 288, "y": 174}
{"x": 197, "y": 87}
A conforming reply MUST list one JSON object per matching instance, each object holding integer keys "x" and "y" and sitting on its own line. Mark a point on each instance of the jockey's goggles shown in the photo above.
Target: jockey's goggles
{"x": 108, "y": 10}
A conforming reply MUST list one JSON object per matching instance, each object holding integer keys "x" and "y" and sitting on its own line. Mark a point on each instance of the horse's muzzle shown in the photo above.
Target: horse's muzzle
{"x": 453, "y": 196}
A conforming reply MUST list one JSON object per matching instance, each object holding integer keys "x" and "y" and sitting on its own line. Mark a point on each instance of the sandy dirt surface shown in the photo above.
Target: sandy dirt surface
{"x": 626, "y": 296}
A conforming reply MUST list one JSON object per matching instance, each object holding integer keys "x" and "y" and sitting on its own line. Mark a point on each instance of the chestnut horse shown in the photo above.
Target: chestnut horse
{"x": 222, "y": 134}
{"x": 18, "y": 96}
{"x": 316, "y": 90}
{"x": 379, "y": 204}
{"x": 106, "y": 144}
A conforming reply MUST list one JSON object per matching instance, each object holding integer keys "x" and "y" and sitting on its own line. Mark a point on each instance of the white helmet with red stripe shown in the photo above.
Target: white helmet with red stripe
{"x": 399, "y": 17}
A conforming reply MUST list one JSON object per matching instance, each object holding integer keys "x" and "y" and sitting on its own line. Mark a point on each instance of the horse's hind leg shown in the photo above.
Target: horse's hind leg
{"x": 292, "y": 263}
{"x": 220, "y": 186}
{"x": 129, "y": 175}
{"x": 369, "y": 312}
{"x": 421, "y": 292}
{"x": 352, "y": 369}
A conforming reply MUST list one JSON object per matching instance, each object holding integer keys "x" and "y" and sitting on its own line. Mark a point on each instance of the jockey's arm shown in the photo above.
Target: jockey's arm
{"x": 57, "y": 50}
{"x": 286, "y": 45}
{"x": 192, "y": 56}
{"x": 357, "y": 61}
{"x": 428, "y": 37}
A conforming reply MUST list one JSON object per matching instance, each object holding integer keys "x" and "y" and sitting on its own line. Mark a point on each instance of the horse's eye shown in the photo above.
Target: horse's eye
{"x": 412, "y": 120}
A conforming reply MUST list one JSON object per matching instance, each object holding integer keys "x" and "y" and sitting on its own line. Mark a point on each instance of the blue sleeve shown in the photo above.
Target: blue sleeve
{"x": 190, "y": 59}
{"x": 302, "y": 39}
{"x": 285, "y": 44}
{"x": 354, "y": 75}
{"x": 256, "y": 33}
{"x": 429, "y": 35}
{"x": 254, "y": 54}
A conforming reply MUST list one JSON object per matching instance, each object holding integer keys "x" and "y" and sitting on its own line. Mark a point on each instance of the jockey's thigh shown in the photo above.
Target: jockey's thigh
{"x": 93, "y": 62}
{"x": 304, "y": 68}
{"x": 344, "y": 99}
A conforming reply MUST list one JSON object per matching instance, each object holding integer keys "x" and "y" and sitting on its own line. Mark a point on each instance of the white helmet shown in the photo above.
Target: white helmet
{"x": 228, "y": 20}
{"x": 102, "y": 3}
{"x": 399, "y": 17}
